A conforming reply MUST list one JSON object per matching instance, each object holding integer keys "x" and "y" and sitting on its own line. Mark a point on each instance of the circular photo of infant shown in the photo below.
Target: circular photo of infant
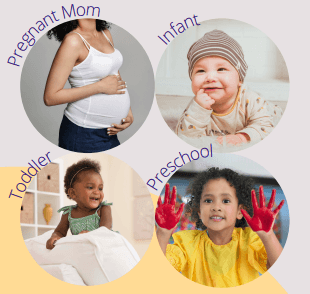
{"x": 222, "y": 82}
{"x": 80, "y": 225}
{"x": 87, "y": 85}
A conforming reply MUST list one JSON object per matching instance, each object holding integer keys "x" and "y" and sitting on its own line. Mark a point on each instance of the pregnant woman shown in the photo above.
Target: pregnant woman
{"x": 98, "y": 101}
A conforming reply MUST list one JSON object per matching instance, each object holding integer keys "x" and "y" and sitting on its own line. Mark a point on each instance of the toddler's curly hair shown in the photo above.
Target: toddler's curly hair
{"x": 73, "y": 172}
{"x": 242, "y": 184}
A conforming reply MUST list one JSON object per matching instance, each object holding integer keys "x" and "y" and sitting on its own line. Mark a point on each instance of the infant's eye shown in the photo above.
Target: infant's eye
{"x": 222, "y": 69}
{"x": 208, "y": 201}
{"x": 226, "y": 201}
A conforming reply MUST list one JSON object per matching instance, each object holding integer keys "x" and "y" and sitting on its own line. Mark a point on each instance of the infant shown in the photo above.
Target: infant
{"x": 223, "y": 106}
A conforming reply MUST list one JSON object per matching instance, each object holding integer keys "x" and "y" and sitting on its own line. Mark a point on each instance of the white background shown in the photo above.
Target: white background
{"x": 284, "y": 153}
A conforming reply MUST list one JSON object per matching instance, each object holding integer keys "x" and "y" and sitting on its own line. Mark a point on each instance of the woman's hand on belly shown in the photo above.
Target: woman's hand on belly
{"x": 111, "y": 85}
{"x": 126, "y": 122}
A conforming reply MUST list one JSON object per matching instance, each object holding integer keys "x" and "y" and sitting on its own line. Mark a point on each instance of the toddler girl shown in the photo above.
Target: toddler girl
{"x": 225, "y": 252}
{"x": 84, "y": 185}
{"x": 223, "y": 105}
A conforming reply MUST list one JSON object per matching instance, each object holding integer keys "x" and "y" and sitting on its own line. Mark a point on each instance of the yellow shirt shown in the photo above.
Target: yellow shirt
{"x": 233, "y": 264}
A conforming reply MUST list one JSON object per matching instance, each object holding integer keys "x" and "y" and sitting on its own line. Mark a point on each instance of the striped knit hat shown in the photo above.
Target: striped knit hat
{"x": 218, "y": 43}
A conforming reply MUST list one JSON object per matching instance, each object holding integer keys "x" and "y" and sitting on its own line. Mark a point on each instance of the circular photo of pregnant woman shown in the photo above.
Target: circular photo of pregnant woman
{"x": 87, "y": 85}
{"x": 80, "y": 225}
{"x": 223, "y": 82}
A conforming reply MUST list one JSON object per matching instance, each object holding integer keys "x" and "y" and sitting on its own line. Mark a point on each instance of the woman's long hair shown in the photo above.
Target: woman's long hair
{"x": 63, "y": 29}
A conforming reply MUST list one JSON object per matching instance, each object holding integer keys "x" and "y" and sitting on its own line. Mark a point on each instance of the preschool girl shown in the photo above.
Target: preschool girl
{"x": 84, "y": 185}
{"x": 223, "y": 251}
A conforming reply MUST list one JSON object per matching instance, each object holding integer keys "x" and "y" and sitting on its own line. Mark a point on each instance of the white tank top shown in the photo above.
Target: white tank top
{"x": 100, "y": 110}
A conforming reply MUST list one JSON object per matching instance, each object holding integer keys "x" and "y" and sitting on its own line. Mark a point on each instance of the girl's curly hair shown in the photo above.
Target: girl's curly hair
{"x": 63, "y": 29}
{"x": 242, "y": 184}
{"x": 73, "y": 172}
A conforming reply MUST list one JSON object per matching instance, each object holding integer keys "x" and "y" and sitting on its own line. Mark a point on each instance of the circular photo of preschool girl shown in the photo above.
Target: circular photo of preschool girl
{"x": 80, "y": 225}
{"x": 222, "y": 82}
{"x": 222, "y": 222}
{"x": 87, "y": 85}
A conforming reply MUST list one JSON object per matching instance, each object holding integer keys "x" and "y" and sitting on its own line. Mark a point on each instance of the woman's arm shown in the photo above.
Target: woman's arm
{"x": 60, "y": 232}
{"x": 68, "y": 54}
{"x": 106, "y": 217}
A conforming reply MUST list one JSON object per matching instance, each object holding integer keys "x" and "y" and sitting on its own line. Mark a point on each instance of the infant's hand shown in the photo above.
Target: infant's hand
{"x": 234, "y": 140}
{"x": 50, "y": 244}
{"x": 83, "y": 232}
{"x": 204, "y": 100}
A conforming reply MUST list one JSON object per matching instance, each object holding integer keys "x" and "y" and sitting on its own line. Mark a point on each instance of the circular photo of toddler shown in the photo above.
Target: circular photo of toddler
{"x": 80, "y": 225}
{"x": 222, "y": 82}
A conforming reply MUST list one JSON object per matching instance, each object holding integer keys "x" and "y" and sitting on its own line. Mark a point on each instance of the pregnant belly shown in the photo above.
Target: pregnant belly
{"x": 99, "y": 111}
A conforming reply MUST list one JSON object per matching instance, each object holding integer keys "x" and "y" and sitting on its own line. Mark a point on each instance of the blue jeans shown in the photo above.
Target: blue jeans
{"x": 85, "y": 140}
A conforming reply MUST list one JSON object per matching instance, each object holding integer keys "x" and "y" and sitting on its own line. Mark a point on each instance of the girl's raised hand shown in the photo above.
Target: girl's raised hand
{"x": 263, "y": 217}
{"x": 165, "y": 215}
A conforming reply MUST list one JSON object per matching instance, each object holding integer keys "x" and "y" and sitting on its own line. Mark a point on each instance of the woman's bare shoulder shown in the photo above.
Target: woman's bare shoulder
{"x": 73, "y": 41}
{"x": 107, "y": 32}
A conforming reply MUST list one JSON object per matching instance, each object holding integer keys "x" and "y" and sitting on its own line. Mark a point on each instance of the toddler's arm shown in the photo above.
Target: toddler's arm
{"x": 262, "y": 223}
{"x": 106, "y": 217}
{"x": 166, "y": 218}
{"x": 60, "y": 232}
